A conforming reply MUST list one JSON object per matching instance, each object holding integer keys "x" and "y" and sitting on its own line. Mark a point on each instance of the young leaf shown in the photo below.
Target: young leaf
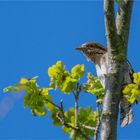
{"x": 77, "y": 71}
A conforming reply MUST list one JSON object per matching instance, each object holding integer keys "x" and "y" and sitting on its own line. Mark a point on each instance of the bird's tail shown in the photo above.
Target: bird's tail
{"x": 126, "y": 112}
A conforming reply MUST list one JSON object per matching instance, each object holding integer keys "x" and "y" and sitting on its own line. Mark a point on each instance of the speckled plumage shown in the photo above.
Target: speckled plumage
{"x": 98, "y": 55}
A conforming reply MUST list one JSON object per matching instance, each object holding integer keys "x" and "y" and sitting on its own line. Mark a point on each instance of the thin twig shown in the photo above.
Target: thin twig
{"x": 57, "y": 106}
{"x": 98, "y": 123}
{"x": 61, "y": 104}
{"x": 63, "y": 120}
{"x": 76, "y": 111}
{"x": 88, "y": 127}
{"x": 73, "y": 93}
{"x": 76, "y": 98}
{"x": 78, "y": 130}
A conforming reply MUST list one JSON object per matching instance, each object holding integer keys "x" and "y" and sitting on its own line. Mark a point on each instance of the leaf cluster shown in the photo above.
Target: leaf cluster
{"x": 36, "y": 98}
{"x": 132, "y": 91}
{"x": 86, "y": 117}
{"x": 39, "y": 101}
{"x": 94, "y": 87}
{"x": 63, "y": 79}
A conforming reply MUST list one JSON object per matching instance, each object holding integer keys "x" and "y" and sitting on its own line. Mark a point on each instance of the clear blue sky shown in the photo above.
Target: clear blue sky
{"x": 33, "y": 36}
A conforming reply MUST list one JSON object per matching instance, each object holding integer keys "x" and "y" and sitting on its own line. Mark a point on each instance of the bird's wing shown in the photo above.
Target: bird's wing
{"x": 126, "y": 111}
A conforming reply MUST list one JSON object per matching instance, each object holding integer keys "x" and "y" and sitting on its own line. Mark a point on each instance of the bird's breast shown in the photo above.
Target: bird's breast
{"x": 101, "y": 75}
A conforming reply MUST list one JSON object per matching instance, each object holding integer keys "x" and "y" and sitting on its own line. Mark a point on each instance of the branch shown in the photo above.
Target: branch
{"x": 63, "y": 120}
{"x": 110, "y": 23}
{"x": 98, "y": 123}
{"x": 76, "y": 113}
{"x": 88, "y": 127}
{"x": 77, "y": 129}
{"x": 123, "y": 21}
{"x": 76, "y": 109}
{"x": 117, "y": 47}
{"x": 76, "y": 97}
{"x": 110, "y": 112}
{"x": 57, "y": 106}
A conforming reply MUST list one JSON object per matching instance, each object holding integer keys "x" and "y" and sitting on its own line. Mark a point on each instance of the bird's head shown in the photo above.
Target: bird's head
{"x": 92, "y": 49}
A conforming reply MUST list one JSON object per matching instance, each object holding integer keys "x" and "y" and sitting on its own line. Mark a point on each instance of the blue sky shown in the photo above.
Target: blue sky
{"x": 33, "y": 36}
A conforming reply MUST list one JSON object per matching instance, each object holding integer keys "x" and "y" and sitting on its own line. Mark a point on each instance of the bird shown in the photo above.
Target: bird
{"x": 98, "y": 54}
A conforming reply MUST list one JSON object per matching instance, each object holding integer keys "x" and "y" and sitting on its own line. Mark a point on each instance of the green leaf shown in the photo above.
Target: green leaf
{"x": 87, "y": 116}
{"x": 35, "y": 98}
{"x": 40, "y": 111}
{"x": 24, "y": 81}
{"x": 136, "y": 77}
{"x": 60, "y": 78}
{"x": 44, "y": 91}
{"x": 11, "y": 88}
{"x": 54, "y": 117}
{"x": 94, "y": 87}
{"x": 56, "y": 70}
{"x": 66, "y": 129}
{"x": 132, "y": 92}
{"x": 69, "y": 115}
{"x": 75, "y": 135}
{"x": 77, "y": 71}
{"x": 68, "y": 85}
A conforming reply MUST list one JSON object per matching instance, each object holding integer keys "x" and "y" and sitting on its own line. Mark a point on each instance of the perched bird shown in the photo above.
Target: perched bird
{"x": 97, "y": 53}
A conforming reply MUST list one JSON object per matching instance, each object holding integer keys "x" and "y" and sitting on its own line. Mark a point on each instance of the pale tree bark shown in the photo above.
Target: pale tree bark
{"x": 117, "y": 33}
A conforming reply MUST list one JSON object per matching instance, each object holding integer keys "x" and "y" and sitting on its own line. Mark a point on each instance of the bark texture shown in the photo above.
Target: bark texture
{"x": 117, "y": 33}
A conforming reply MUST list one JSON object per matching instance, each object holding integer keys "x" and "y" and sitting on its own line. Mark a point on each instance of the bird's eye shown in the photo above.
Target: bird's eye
{"x": 89, "y": 50}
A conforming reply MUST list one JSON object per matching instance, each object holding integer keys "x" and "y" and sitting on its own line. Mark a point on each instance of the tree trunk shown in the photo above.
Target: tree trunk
{"x": 117, "y": 41}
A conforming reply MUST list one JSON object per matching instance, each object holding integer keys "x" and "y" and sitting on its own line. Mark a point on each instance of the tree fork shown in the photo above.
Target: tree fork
{"x": 117, "y": 41}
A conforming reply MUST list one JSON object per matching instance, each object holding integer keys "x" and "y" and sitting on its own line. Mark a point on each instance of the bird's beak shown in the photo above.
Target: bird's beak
{"x": 79, "y": 49}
